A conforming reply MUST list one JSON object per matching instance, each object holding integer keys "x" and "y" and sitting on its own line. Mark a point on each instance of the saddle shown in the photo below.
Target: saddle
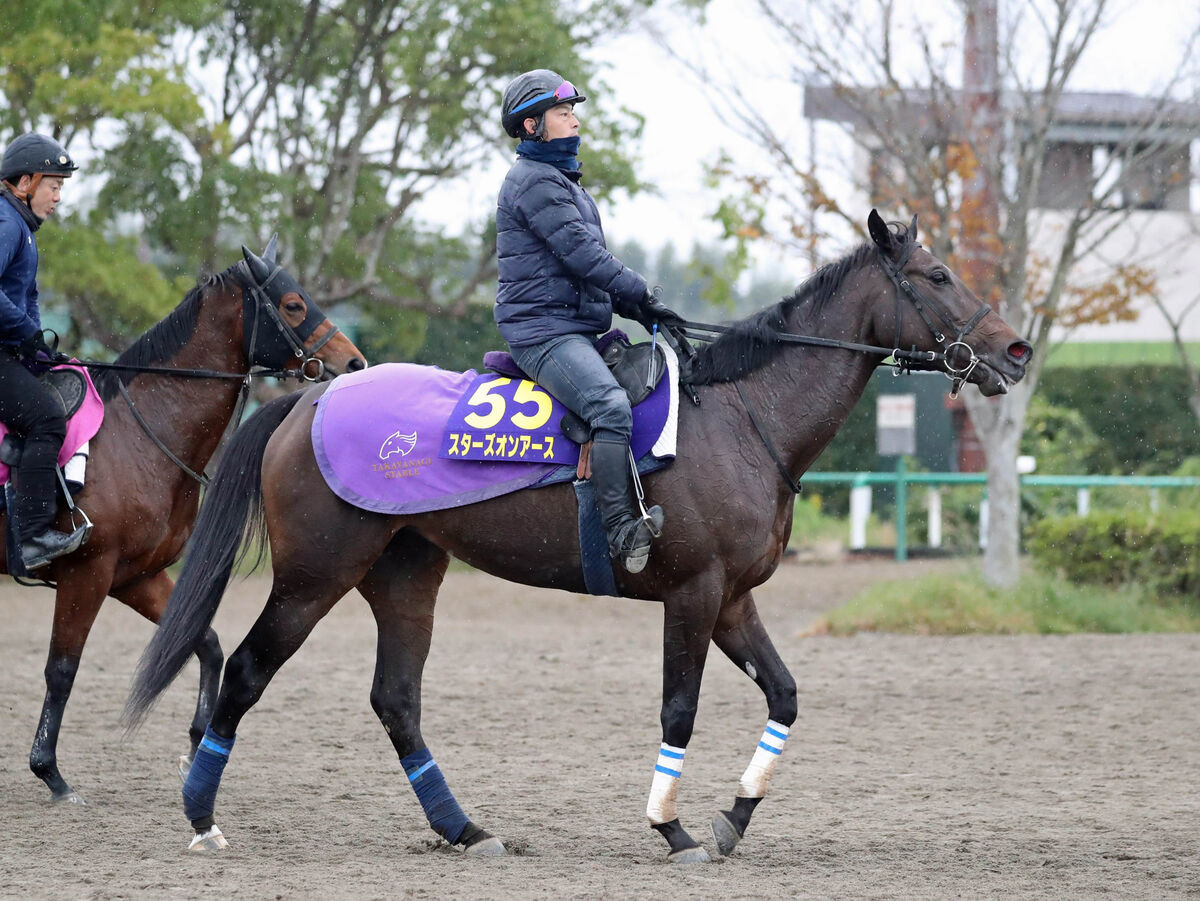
{"x": 638, "y": 368}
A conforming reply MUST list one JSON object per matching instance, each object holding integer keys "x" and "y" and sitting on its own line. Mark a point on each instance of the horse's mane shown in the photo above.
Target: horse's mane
{"x": 751, "y": 343}
{"x": 162, "y": 340}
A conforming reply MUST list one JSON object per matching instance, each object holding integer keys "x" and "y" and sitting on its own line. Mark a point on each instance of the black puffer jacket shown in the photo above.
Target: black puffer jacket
{"x": 556, "y": 275}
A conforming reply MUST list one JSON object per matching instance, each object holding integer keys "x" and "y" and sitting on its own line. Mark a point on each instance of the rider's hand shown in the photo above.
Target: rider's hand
{"x": 36, "y": 345}
{"x": 652, "y": 310}
{"x": 33, "y": 345}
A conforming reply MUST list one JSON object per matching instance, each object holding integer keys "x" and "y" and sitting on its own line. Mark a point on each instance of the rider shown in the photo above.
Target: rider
{"x": 32, "y": 171}
{"x": 558, "y": 285}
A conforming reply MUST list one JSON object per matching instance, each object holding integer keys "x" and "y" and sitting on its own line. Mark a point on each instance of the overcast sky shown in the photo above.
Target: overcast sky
{"x": 683, "y": 133}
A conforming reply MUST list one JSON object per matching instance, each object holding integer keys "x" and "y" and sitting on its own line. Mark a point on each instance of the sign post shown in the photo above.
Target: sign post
{"x": 896, "y": 436}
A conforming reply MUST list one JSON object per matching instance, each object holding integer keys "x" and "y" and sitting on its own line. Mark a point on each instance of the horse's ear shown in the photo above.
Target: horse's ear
{"x": 912, "y": 229}
{"x": 269, "y": 253}
{"x": 260, "y": 270}
{"x": 880, "y": 233}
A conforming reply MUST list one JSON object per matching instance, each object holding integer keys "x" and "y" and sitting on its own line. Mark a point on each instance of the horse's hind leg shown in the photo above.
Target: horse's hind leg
{"x": 148, "y": 596}
{"x": 402, "y": 589}
{"x": 741, "y": 635}
{"x": 295, "y": 606}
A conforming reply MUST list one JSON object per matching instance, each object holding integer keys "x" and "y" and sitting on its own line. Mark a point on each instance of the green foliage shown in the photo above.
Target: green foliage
{"x": 811, "y": 524}
{"x": 1060, "y": 439}
{"x": 414, "y": 336}
{"x": 688, "y": 282}
{"x": 329, "y": 123}
{"x": 1160, "y": 552}
{"x": 1139, "y": 414}
{"x": 113, "y": 295}
{"x": 961, "y": 604}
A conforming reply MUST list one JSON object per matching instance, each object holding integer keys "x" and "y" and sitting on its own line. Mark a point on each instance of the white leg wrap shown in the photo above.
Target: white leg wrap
{"x": 757, "y": 777}
{"x": 661, "y": 806}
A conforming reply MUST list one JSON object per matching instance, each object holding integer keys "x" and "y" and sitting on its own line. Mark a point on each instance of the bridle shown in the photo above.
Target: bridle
{"x": 278, "y": 342}
{"x": 958, "y": 375}
{"x": 903, "y": 360}
{"x": 277, "y": 346}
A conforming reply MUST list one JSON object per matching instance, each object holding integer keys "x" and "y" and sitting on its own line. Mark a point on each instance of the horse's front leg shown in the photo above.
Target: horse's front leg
{"x": 401, "y": 589}
{"x": 76, "y": 603}
{"x": 148, "y": 596}
{"x": 688, "y": 621}
{"x": 741, "y": 635}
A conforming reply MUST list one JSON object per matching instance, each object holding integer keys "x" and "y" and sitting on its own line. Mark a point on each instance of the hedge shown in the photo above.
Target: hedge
{"x": 1158, "y": 551}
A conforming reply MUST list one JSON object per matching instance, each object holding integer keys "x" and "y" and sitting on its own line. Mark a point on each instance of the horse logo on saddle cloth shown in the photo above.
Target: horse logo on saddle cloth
{"x": 84, "y": 411}
{"x": 400, "y": 438}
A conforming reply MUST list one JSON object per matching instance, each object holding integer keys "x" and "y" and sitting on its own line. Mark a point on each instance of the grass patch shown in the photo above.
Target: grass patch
{"x": 959, "y": 603}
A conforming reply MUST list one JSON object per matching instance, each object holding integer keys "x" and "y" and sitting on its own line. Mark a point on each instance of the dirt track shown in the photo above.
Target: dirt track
{"x": 919, "y": 767}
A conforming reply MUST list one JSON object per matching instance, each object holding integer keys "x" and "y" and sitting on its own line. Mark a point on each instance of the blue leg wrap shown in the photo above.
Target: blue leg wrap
{"x": 442, "y": 811}
{"x": 204, "y": 778}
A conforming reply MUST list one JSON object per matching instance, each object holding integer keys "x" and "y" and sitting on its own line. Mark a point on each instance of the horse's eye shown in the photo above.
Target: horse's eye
{"x": 294, "y": 307}
{"x": 939, "y": 277}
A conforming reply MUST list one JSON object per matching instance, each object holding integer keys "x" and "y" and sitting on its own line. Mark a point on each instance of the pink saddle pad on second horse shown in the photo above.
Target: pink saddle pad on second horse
{"x": 81, "y": 428}
{"x": 389, "y": 438}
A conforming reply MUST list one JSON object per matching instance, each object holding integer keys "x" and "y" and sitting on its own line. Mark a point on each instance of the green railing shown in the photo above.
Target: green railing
{"x": 901, "y": 478}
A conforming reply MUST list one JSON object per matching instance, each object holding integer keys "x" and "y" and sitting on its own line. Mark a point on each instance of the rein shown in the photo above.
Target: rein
{"x": 264, "y": 309}
{"x": 904, "y": 359}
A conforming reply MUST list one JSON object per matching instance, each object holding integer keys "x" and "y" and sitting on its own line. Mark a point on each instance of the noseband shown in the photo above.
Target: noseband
{"x": 958, "y": 375}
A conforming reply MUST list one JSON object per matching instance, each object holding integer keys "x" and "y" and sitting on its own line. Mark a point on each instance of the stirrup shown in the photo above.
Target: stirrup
{"x": 51, "y": 545}
{"x": 631, "y": 545}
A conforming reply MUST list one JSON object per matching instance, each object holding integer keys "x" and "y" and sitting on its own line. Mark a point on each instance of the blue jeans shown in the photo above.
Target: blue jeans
{"x": 569, "y": 367}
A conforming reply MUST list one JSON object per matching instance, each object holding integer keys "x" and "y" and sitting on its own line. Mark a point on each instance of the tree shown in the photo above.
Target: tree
{"x": 334, "y": 124}
{"x": 79, "y": 67}
{"x": 970, "y": 159}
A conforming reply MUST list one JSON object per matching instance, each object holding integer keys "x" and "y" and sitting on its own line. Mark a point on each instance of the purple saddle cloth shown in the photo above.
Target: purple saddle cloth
{"x": 402, "y": 438}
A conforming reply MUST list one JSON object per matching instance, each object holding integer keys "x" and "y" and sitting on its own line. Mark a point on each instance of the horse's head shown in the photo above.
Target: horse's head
{"x": 935, "y": 311}
{"x": 283, "y": 328}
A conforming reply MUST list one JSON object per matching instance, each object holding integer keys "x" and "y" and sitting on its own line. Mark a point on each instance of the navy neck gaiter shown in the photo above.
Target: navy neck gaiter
{"x": 560, "y": 152}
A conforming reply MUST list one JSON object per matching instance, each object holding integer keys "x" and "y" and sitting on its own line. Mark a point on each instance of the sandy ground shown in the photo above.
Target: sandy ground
{"x": 919, "y": 767}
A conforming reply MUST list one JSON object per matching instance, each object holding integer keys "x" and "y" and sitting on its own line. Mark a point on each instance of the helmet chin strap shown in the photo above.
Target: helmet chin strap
{"x": 26, "y": 196}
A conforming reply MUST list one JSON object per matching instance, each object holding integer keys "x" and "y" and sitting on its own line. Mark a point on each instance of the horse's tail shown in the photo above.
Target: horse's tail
{"x": 231, "y": 512}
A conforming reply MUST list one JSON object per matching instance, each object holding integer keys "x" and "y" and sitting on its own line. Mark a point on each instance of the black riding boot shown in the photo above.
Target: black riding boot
{"x": 629, "y": 535}
{"x": 36, "y": 503}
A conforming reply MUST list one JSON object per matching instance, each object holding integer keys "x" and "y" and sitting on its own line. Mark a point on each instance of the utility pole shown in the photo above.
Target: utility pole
{"x": 981, "y": 124}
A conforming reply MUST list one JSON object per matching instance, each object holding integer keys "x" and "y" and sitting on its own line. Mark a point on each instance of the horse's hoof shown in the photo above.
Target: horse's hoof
{"x": 489, "y": 847}
{"x": 69, "y": 798}
{"x": 725, "y": 834}
{"x": 689, "y": 855}
{"x": 212, "y": 840}
{"x": 184, "y": 766}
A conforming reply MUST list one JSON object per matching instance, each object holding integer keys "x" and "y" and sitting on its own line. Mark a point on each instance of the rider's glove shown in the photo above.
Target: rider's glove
{"x": 35, "y": 345}
{"x": 651, "y": 310}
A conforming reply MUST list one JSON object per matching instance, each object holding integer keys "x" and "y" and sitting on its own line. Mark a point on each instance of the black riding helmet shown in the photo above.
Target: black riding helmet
{"x": 34, "y": 154}
{"x": 529, "y": 95}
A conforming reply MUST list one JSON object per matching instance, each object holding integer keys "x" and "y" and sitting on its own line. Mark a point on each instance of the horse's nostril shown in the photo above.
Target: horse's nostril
{"x": 356, "y": 364}
{"x": 1020, "y": 351}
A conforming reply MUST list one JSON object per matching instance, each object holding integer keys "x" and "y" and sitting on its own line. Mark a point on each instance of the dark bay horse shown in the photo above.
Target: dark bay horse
{"x": 142, "y": 502}
{"x": 768, "y": 405}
